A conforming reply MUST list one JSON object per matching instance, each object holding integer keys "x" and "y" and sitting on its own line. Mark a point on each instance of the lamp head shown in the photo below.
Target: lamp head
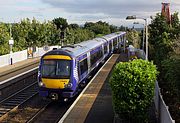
{"x": 130, "y": 17}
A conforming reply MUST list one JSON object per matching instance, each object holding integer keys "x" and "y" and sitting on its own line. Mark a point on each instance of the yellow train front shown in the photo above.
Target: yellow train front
{"x": 55, "y": 75}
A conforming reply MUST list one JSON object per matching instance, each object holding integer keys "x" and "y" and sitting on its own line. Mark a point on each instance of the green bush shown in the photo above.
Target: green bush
{"x": 132, "y": 85}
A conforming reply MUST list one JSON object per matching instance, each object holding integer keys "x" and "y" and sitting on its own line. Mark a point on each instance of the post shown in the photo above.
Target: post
{"x": 146, "y": 39}
{"x": 124, "y": 41}
{"x": 143, "y": 37}
{"x": 11, "y": 42}
{"x": 146, "y": 29}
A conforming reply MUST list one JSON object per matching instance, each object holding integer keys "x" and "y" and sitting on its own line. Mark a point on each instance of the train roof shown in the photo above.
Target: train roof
{"x": 113, "y": 35}
{"x": 83, "y": 47}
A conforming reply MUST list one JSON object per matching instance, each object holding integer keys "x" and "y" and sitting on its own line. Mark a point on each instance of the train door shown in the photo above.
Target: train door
{"x": 105, "y": 49}
{"x": 83, "y": 67}
{"x": 110, "y": 47}
{"x": 88, "y": 62}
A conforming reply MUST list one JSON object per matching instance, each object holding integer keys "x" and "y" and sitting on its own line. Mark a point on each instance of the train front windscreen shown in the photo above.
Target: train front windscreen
{"x": 56, "y": 69}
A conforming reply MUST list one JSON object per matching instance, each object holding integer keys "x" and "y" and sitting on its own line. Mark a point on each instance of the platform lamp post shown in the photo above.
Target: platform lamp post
{"x": 11, "y": 42}
{"x": 145, "y": 19}
{"x": 143, "y": 33}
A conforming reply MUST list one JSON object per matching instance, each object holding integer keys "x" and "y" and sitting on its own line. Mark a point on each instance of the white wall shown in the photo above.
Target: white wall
{"x": 21, "y": 55}
{"x": 4, "y": 60}
{"x": 16, "y": 57}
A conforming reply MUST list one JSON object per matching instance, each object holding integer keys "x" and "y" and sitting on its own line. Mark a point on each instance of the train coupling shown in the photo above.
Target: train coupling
{"x": 54, "y": 96}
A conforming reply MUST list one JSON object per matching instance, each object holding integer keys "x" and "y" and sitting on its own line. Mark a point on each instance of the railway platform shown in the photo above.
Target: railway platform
{"x": 94, "y": 104}
{"x": 18, "y": 65}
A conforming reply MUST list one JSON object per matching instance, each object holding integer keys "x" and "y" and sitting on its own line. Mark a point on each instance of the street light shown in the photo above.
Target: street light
{"x": 143, "y": 34}
{"x": 145, "y": 19}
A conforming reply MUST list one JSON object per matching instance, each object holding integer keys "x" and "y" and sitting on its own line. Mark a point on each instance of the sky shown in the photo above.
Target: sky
{"x": 81, "y": 11}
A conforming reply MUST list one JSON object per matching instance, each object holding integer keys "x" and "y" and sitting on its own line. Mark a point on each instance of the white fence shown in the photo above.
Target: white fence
{"x": 21, "y": 55}
{"x": 161, "y": 108}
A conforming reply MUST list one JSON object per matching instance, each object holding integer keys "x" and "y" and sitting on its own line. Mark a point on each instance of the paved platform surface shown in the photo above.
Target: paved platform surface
{"x": 18, "y": 65}
{"x": 95, "y": 104}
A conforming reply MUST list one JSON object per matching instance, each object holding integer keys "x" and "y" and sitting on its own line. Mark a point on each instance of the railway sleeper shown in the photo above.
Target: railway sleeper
{"x": 14, "y": 101}
{"x": 4, "y": 109}
{"x": 9, "y": 104}
{"x": 17, "y": 99}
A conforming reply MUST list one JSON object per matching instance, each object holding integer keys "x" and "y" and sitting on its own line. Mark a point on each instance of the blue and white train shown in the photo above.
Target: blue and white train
{"x": 62, "y": 71}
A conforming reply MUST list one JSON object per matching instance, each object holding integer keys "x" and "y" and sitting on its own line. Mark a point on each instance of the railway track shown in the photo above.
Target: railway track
{"x": 51, "y": 113}
{"x": 12, "y": 102}
{"x": 41, "y": 111}
{"x": 13, "y": 72}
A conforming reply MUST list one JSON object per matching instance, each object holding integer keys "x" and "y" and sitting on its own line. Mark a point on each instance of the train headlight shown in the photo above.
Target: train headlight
{"x": 41, "y": 84}
{"x": 69, "y": 85}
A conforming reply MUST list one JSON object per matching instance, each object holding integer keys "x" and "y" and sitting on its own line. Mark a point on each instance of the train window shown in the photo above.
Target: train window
{"x": 93, "y": 58}
{"x": 56, "y": 68}
{"x": 100, "y": 53}
{"x": 118, "y": 39}
{"x": 83, "y": 66}
{"x": 96, "y": 56}
{"x": 115, "y": 42}
{"x": 48, "y": 68}
{"x": 63, "y": 68}
{"x": 105, "y": 49}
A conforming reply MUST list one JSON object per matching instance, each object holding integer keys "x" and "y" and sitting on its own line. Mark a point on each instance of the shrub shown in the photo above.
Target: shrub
{"x": 132, "y": 85}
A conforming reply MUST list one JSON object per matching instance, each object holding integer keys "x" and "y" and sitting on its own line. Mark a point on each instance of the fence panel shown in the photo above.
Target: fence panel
{"x": 161, "y": 108}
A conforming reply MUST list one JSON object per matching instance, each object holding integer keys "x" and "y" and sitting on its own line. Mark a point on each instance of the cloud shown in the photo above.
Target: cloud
{"x": 112, "y": 8}
{"x": 82, "y": 10}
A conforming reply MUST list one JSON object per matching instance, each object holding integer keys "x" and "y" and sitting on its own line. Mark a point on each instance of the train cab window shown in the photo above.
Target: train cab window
{"x": 56, "y": 68}
{"x": 63, "y": 68}
{"x": 48, "y": 67}
{"x": 83, "y": 66}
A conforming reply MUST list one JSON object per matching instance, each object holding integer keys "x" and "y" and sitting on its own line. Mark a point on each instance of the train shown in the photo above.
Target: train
{"x": 63, "y": 71}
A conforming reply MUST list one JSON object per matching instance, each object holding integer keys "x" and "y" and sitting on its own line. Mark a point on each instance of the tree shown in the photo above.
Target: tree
{"x": 159, "y": 39}
{"x": 175, "y": 30}
{"x": 4, "y": 38}
{"x": 133, "y": 38}
{"x": 164, "y": 50}
{"x": 113, "y": 28}
{"x": 122, "y": 28}
{"x": 74, "y": 26}
{"x": 98, "y": 27}
{"x": 60, "y": 23}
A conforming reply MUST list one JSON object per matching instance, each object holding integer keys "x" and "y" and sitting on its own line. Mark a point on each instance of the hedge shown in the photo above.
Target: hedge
{"x": 132, "y": 84}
